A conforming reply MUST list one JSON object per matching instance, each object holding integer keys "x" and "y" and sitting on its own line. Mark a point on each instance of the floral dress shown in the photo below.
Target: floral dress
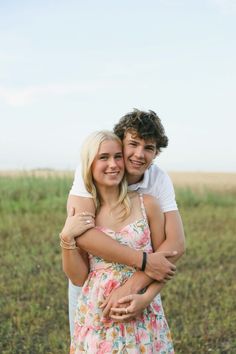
{"x": 148, "y": 333}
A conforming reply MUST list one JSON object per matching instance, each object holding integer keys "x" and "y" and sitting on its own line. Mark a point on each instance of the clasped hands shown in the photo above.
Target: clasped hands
{"x": 122, "y": 305}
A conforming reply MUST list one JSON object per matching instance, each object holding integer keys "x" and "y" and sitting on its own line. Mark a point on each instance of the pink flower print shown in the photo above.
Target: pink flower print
{"x": 158, "y": 346}
{"x": 137, "y": 339}
{"x": 91, "y": 306}
{"x": 86, "y": 290}
{"x": 145, "y": 238}
{"x": 77, "y": 329}
{"x": 111, "y": 285}
{"x": 105, "y": 348}
{"x": 142, "y": 336}
{"x": 156, "y": 307}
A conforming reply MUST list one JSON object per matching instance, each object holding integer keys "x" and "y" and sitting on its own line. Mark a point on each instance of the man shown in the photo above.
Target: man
{"x": 143, "y": 137}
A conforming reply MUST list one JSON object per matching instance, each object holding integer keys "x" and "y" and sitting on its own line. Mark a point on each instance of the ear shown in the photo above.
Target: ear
{"x": 156, "y": 154}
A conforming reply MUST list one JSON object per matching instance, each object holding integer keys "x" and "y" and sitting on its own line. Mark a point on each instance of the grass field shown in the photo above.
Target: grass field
{"x": 199, "y": 303}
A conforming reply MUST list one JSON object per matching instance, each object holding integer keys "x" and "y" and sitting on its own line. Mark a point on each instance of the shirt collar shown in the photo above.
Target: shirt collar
{"x": 141, "y": 184}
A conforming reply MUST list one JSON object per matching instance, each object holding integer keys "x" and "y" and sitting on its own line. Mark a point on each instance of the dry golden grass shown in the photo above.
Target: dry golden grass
{"x": 201, "y": 180}
{"x": 36, "y": 173}
{"x": 194, "y": 180}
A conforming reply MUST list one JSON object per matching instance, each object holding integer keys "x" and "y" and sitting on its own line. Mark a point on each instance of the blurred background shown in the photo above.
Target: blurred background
{"x": 68, "y": 68}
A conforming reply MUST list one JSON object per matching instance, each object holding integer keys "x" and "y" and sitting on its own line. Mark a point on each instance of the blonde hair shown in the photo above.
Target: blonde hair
{"x": 89, "y": 151}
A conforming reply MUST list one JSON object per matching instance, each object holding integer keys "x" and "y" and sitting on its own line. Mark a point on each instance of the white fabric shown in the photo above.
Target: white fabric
{"x": 156, "y": 182}
{"x": 73, "y": 294}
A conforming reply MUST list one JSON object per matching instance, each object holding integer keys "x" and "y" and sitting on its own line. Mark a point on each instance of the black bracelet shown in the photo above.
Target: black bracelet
{"x": 144, "y": 262}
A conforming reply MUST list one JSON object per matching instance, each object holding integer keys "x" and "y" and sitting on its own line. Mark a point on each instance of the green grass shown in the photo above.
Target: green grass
{"x": 199, "y": 303}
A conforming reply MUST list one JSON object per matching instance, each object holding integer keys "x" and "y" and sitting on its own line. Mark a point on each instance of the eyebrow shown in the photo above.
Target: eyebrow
{"x": 146, "y": 144}
{"x": 107, "y": 153}
{"x": 150, "y": 145}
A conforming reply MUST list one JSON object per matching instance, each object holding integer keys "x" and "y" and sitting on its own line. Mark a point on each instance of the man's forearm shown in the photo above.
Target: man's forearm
{"x": 138, "y": 281}
{"x": 99, "y": 244}
{"x": 175, "y": 239}
{"x": 169, "y": 245}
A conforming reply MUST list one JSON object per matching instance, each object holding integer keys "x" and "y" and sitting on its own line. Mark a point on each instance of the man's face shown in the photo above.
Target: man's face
{"x": 138, "y": 156}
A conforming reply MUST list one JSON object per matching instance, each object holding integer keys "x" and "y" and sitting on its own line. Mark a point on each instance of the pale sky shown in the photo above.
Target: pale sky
{"x": 68, "y": 68}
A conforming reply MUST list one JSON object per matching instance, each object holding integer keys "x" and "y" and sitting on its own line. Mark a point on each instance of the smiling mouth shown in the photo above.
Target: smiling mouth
{"x": 112, "y": 173}
{"x": 136, "y": 163}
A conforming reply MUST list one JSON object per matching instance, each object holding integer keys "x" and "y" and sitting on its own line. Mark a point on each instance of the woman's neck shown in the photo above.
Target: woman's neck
{"x": 108, "y": 196}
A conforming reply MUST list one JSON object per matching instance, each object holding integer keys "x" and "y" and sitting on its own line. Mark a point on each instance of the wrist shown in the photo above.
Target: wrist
{"x": 64, "y": 235}
{"x": 132, "y": 285}
{"x": 144, "y": 261}
{"x": 138, "y": 259}
{"x": 147, "y": 299}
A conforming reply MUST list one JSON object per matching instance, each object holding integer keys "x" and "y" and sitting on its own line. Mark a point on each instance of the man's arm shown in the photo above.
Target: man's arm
{"x": 158, "y": 267}
{"x": 174, "y": 231}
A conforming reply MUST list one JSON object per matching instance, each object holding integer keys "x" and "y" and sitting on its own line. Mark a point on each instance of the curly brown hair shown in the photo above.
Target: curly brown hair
{"x": 145, "y": 125}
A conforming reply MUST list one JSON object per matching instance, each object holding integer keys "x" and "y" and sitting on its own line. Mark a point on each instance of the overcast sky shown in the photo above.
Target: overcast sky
{"x": 70, "y": 67}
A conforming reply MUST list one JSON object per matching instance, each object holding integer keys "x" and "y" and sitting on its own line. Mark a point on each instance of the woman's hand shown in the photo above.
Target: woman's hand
{"x": 133, "y": 306}
{"x": 112, "y": 300}
{"x": 77, "y": 224}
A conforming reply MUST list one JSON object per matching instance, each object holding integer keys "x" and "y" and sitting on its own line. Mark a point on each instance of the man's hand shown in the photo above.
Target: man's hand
{"x": 158, "y": 267}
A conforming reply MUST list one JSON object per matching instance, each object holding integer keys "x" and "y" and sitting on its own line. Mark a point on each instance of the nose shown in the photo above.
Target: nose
{"x": 139, "y": 152}
{"x": 112, "y": 163}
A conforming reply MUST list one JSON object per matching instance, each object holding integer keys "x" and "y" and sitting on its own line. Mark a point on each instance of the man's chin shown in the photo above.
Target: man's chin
{"x": 135, "y": 173}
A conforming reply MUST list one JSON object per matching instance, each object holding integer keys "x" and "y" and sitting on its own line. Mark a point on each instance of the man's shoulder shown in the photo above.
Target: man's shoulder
{"x": 156, "y": 172}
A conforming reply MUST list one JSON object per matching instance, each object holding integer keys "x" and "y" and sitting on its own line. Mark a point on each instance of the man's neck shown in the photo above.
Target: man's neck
{"x": 134, "y": 179}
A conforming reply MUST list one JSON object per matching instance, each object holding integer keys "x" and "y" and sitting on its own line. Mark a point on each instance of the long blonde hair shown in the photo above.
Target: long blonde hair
{"x": 89, "y": 151}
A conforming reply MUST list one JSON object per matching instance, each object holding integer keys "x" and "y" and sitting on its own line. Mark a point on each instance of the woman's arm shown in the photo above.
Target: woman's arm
{"x": 74, "y": 260}
{"x": 158, "y": 266}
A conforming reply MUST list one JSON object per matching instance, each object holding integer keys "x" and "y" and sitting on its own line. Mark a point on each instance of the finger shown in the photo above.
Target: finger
{"x": 168, "y": 253}
{"x": 121, "y": 310}
{"x": 122, "y": 317}
{"x": 89, "y": 226}
{"x": 103, "y": 304}
{"x": 106, "y": 310}
{"x": 86, "y": 213}
{"x": 171, "y": 254}
{"x": 71, "y": 211}
{"x": 125, "y": 299}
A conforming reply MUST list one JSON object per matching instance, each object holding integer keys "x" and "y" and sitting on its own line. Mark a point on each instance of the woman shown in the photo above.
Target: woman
{"x": 128, "y": 218}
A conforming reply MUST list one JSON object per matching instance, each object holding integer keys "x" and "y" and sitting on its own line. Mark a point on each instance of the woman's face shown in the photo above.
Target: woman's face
{"x": 108, "y": 165}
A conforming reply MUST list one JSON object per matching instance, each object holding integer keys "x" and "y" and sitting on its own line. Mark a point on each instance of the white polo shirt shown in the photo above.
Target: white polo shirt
{"x": 155, "y": 182}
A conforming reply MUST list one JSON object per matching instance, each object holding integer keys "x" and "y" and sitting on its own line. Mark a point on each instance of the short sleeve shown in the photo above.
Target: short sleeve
{"x": 78, "y": 187}
{"x": 166, "y": 195}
